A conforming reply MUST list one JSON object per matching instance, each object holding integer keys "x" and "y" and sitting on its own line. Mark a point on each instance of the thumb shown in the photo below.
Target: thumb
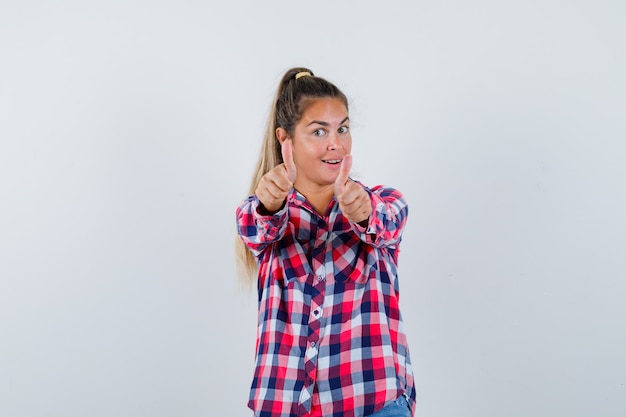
{"x": 344, "y": 171}
{"x": 287, "y": 152}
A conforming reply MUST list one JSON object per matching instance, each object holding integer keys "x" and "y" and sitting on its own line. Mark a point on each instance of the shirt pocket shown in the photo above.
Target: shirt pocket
{"x": 292, "y": 263}
{"x": 354, "y": 263}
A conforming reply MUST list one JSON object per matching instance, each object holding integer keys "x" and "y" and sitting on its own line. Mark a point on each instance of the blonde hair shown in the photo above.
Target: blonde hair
{"x": 297, "y": 89}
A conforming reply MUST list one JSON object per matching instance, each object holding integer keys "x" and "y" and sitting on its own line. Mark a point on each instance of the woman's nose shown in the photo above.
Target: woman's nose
{"x": 333, "y": 141}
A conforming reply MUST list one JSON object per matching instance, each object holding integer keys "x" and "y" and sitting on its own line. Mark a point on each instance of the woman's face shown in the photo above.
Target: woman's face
{"x": 321, "y": 139}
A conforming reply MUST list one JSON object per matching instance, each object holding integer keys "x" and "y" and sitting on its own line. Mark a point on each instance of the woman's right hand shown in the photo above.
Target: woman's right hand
{"x": 276, "y": 184}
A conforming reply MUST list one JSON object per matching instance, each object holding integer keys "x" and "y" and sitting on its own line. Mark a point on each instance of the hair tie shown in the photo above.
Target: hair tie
{"x": 303, "y": 74}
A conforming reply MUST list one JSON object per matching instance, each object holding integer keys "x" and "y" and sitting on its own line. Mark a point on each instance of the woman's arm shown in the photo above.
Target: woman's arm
{"x": 386, "y": 222}
{"x": 257, "y": 229}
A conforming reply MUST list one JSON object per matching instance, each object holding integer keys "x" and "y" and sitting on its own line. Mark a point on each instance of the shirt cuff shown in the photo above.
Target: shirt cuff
{"x": 260, "y": 215}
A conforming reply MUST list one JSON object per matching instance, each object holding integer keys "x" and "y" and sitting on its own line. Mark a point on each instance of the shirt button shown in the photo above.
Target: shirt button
{"x": 312, "y": 344}
{"x": 321, "y": 277}
{"x": 316, "y": 312}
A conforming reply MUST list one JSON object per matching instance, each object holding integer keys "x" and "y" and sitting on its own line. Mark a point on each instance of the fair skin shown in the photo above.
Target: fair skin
{"x": 317, "y": 163}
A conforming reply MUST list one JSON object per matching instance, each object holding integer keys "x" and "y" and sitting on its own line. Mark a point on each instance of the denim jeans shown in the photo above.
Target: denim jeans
{"x": 398, "y": 408}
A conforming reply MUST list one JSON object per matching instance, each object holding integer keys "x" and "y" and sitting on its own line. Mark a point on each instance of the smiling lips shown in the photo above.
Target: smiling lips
{"x": 331, "y": 161}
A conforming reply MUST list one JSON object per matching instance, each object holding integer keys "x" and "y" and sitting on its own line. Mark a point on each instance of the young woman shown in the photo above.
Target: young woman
{"x": 323, "y": 249}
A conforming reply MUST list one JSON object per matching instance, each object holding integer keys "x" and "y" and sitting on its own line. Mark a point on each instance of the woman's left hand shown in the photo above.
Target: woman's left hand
{"x": 354, "y": 201}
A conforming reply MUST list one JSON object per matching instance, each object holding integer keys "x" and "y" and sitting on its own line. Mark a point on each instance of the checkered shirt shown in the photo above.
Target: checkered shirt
{"x": 330, "y": 338}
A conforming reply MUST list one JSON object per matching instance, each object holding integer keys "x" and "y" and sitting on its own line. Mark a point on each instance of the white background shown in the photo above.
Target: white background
{"x": 128, "y": 134}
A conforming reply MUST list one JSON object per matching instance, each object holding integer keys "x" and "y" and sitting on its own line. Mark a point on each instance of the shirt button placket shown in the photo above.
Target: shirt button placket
{"x": 321, "y": 273}
{"x": 316, "y": 311}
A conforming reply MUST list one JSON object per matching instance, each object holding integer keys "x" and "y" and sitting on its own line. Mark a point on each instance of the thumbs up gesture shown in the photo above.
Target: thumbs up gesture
{"x": 275, "y": 185}
{"x": 354, "y": 202}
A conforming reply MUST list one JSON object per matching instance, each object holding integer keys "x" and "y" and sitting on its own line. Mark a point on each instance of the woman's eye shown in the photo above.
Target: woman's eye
{"x": 319, "y": 132}
{"x": 344, "y": 129}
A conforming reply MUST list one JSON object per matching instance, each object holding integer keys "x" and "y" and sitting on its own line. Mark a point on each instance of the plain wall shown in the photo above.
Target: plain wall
{"x": 128, "y": 135}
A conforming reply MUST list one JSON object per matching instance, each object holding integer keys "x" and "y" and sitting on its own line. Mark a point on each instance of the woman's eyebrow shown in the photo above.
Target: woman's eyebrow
{"x": 323, "y": 123}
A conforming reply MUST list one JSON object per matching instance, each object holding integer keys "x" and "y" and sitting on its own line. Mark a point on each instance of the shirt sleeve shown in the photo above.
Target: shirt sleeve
{"x": 386, "y": 223}
{"x": 258, "y": 230}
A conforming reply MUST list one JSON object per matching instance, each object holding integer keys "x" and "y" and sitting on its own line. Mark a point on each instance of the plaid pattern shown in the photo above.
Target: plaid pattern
{"x": 330, "y": 337}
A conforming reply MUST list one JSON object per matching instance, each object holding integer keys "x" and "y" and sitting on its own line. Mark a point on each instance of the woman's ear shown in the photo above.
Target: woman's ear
{"x": 281, "y": 134}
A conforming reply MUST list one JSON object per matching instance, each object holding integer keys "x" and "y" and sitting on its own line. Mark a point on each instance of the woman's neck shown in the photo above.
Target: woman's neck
{"x": 318, "y": 197}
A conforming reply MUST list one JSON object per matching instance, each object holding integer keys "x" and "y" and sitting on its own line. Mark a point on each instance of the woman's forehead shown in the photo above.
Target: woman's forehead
{"x": 325, "y": 110}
